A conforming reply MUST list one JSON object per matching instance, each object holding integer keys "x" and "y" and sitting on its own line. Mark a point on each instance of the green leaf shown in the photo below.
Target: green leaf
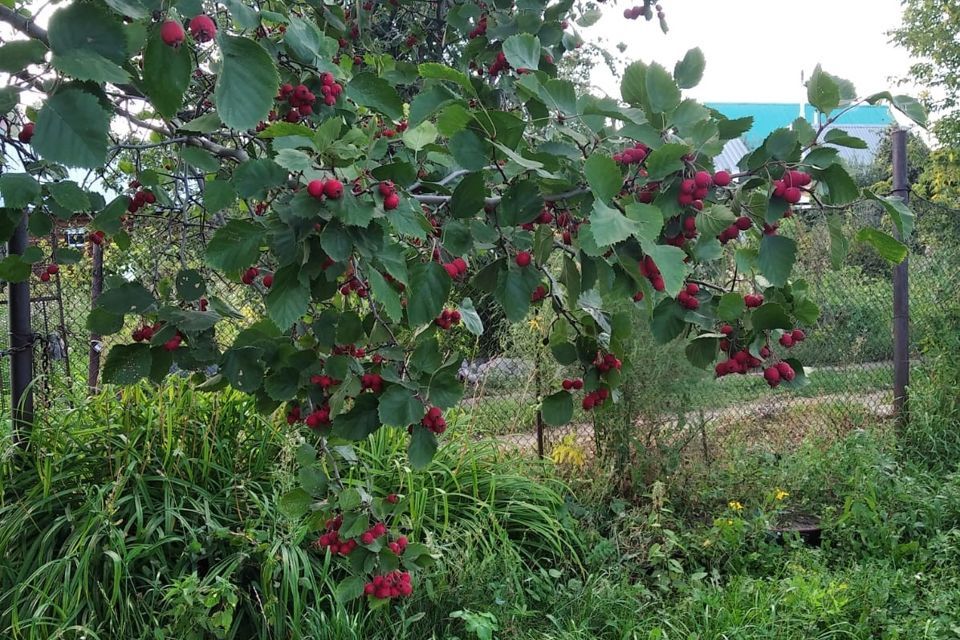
{"x": 127, "y": 364}
{"x": 522, "y": 51}
{"x": 689, "y": 71}
{"x": 72, "y": 129}
{"x": 166, "y": 74}
{"x": 234, "y": 246}
{"x": 312, "y": 478}
{"x": 468, "y": 197}
{"x": 603, "y": 176}
{"x": 841, "y": 138}
{"x": 770, "y": 315}
{"x": 349, "y": 589}
{"x": 367, "y": 90}
{"x": 429, "y": 289}
{"x": 69, "y": 195}
{"x": 437, "y": 71}
{"x": 190, "y": 285}
{"x": 714, "y": 219}
{"x": 296, "y": 503}
{"x": 823, "y": 91}
{"x": 362, "y": 419}
{"x": 777, "y": 255}
{"x": 420, "y": 136}
{"x": 666, "y": 160}
{"x": 423, "y": 445}
{"x": 821, "y": 157}
{"x": 470, "y": 317}
{"x": 18, "y": 190}
{"x": 247, "y": 83}
{"x": 199, "y": 159}
{"x": 18, "y": 55}
{"x": 670, "y": 261}
{"x": 129, "y": 297}
{"x": 731, "y": 306}
{"x": 206, "y": 123}
{"x": 557, "y": 408}
{"x": 243, "y": 368}
{"x": 668, "y": 321}
{"x": 781, "y": 143}
{"x": 608, "y": 226}
{"x": 399, "y": 407}
{"x": 633, "y": 85}
{"x": 662, "y": 91}
{"x": 218, "y": 195}
{"x": 14, "y": 269}
{"x": 288, "y": 299}
{"x": 469, "y": 150}
{"x": 649, "y": 220}
{"x": 839, "y": 244}
{"x": 282, "y": 384}
{"x": 899, "y": 211}
{"x": 385, "y": 295}
{"x": 560, "y": 95}
{"x": 843, "y": 190}
{"x": 521, "y": 203}
{"x": 88, "y": 43}
{"x": 303, "y": 40}
{"x": 702, "y": 350}
{"x": 887, "y": 246}
{"x": 294, "y": 160}
{"x": 9, "y": 98}
{"x": 514, "y": 287}
{"x": 254, "y": 178}
{"x": 102, "y": 322}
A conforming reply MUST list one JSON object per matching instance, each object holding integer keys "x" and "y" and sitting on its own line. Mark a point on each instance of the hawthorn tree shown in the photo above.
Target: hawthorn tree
{"x": 356, "y": 162}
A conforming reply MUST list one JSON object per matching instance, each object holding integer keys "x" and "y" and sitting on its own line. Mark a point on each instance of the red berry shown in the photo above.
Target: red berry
{"x": 203, "y": 28}
{"x": 523, "y": 259}
{"x": 743, "y": 223}
{"x": 703, "y": 180}
{"x": 391, "y": 202}
{"x": 172, "y": 33}
{"x": 772, "y": 376}
{"x": 392, "y": 498}
{"x": 798, "y": 335}
{"x": 721, "y": 178}
{"x": 54, "y": 269}
{"x": 792, "y": 195}
{"x": 786, "y": 371}
{"x": 268, "y": 280}
{"x": 567, "y": 385}
{"x": 315, "y": 188}
{"x": 786, "y": 340}
{"x": 44, "y": 277}
{"x": 451, "y": 270}
{"x": 26, "y": 133}
{"x": 386, "y": 188}
{"x": 333, "y": 189}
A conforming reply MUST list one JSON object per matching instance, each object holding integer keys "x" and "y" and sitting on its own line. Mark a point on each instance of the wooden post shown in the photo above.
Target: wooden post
{"x": 901, "y": 289}
{"x": 96, "y": 288}
{"x": 21, "y": 344}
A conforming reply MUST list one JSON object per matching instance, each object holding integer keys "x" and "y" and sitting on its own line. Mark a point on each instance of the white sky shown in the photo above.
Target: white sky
{"x": 756, "y": 49}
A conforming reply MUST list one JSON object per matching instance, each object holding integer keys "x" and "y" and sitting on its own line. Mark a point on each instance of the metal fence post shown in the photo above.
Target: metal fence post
{"x": 96, "y": 288}
{"x": 901, "y": 289}
{"x": 21, "y": 343}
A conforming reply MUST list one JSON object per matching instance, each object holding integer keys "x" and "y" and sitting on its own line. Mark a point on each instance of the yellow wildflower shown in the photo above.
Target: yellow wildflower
{"x": 534, "y": 323}
{"x": 729, "y": 522}
{"x": 735, "y": 505}
{"x": 707, "y": 542}
{"x": 780, "y": 494}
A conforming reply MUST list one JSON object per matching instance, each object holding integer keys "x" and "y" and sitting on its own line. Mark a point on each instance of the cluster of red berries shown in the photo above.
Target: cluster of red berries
{"x": 51, "y": 270}
{"x": 538, "y": 294}
{"x": 433, "y": 420}
{"x": 753, "y": 300}
{"x": 399, "y": 545}
{"x": 371, "y": 381}
{"x": 449, "y": 318}
{"x": 782, "y": 371}
{"x": 370, "y": 535}
{"x": 300, "y": 100}
{"x": 687, "y": 296}
{"x": 572, "y": 384}
{"x": 395, "y": 584}
{"x": 331, "y": 188}
{"x": 331, "y": 539}
{"x": 319, "y": 417}
{"x": 140, "y": 199}
{"x": 480, "y": 29}
{"x": 733, "y": 231}
{"x": 392, "y": 498}
{"x": 354, "y": 285}
{"x": 740, "y": 362}
{"x": 250, "y": 276}
{"x": 649, "y": 270}
{"x": 595, "y": 399}
{"x": 688, "y": 232}
{"x": 694, "y": 190}
{"x": 523, "y": 259}
{"x": 791, "y": 338}
{"x": 789, "y": 186}
{"x": 324, "y": 381}
{"x": 349, "y": 350}
{"x": 391, "y": 200}
{"x": 202, "y": 28}
{"x": 97, "y": 237}
{"x": 632, "y": 155}
{"x": 390, "y": 132}
{"x": 26, "y": 133}
{"x": 499, "y": 64}
{"x": 145, "y": 333}
{"x": 606, "y": 362}
{"x": 455, "y": 268}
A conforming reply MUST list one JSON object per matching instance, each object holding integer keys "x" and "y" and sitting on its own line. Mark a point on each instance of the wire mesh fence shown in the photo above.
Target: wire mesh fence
{"x": 848, "y": 353}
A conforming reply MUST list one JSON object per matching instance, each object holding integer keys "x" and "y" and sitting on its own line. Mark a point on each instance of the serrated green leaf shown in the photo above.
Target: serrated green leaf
{"x": 247, "y": 83}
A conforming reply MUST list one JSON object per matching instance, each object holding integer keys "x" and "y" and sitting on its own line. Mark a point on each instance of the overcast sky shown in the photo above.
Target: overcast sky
{"x": 756, "y": 49}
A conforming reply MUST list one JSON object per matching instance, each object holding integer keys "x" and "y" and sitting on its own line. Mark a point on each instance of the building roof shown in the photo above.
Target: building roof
{"x": 768, "y": 117}
{"x": 729, "y": 158}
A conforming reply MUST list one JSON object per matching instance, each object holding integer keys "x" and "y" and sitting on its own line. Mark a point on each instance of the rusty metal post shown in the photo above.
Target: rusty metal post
{"x": 901, "y": 289}
{"x": 96, "y": 288}
{"x": 21, "y": 343}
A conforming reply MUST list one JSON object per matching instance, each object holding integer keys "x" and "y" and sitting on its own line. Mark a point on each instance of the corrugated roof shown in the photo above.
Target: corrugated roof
{"x": 768, "y": 117}
{"x": 873, "y": 135}
{"x": 729, "y": 158}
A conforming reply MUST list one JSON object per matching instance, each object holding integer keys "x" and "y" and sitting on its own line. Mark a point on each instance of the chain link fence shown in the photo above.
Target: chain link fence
{"x": 847, "y": 354}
